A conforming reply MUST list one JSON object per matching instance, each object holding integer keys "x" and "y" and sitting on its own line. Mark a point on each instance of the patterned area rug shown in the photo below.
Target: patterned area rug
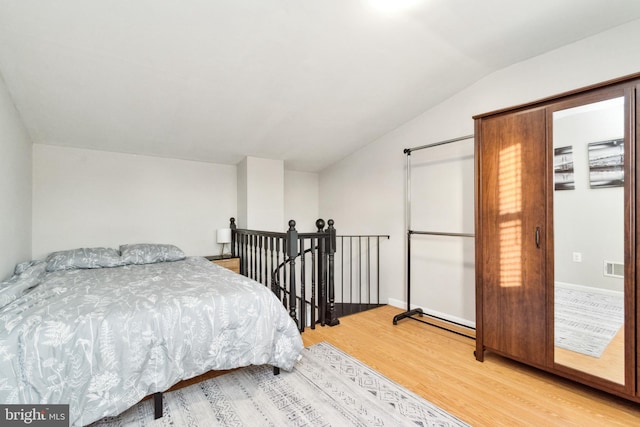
{"x": 585, "y": 321}
{"x": 326, "y": 388}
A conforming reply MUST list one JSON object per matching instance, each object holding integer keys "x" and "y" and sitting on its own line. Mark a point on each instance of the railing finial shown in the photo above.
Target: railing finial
{"x": 320, "y": 225}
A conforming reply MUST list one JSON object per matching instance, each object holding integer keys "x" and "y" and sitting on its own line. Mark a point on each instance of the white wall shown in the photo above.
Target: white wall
{"x": 87, "y": 198}
{"x": 261, "y": 194}
{"x": 364, "y": 192}
{"x": 276, "y": 196}
{"x": 15, "y": 186}
{"x": 301, "y": 194}
{"x": 241, "y": 172}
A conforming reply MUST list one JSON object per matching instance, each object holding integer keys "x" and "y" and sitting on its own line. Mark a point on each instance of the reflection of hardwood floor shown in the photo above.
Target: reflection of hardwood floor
{"x": 609, "y": 366}
{"x": 440, "y": 367}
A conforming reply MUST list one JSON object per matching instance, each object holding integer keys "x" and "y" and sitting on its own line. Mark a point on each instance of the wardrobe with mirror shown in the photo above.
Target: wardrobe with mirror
{"x": 556, "y": 246}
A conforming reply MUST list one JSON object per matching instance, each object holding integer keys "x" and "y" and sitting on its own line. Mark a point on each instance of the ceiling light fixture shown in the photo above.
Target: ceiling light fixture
{"x": 393, "y": 6}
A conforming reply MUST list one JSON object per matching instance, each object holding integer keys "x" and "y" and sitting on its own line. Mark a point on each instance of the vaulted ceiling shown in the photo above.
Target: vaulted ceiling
{"x": 305, "y": 81}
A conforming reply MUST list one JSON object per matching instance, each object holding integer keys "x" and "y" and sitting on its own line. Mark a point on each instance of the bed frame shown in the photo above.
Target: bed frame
{"x": 272, "y": 258}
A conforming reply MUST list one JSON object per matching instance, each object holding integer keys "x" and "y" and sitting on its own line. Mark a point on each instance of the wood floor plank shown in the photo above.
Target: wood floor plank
{"x": 440, "y": 366}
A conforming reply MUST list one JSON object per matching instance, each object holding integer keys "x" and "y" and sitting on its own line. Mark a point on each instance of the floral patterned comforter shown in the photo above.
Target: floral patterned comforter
{"x": 101, "y": 339}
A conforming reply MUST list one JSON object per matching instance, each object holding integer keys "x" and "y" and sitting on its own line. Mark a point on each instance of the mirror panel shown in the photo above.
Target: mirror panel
{"x": 588, "y": 235}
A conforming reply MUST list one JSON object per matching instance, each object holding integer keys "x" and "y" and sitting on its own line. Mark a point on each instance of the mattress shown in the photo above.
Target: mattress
{"x": 100, "y": 339}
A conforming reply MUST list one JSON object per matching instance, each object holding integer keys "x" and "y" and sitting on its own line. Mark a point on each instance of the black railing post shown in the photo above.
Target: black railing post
{"x": 254, "y": 264}
{"x": 331, "y": 250}
{"x": 322, "y": 274}
{"x": 314, "y": 302}
{"x": 303, "y": 286}
{"x": 232, "y": 226}
{"x": 239, "y": 254}
{"x": 275, "y": 282}
{"x": 259, "y": 260}
{"x": 292, "y": 253}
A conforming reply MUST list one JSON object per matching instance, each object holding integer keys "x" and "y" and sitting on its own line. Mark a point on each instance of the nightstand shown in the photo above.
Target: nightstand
{"x": 232, "y": 263}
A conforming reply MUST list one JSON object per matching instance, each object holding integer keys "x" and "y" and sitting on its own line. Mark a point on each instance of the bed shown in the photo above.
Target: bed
{"x": 100, "y": 329}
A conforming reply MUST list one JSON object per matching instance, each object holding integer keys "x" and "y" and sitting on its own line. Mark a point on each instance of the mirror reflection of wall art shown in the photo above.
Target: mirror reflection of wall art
{"x": 563, "y": 168}
{"x": 606, "y": 163}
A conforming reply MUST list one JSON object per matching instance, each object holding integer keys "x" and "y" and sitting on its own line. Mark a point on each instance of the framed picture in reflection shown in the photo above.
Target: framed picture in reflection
{"x": 606, "y": 163}
{"x": 563, "y": 176}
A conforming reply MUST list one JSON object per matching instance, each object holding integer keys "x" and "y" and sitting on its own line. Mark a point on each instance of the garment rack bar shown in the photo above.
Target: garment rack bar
{"x": 435, "y": 144}
{"x": 438, "y": 233}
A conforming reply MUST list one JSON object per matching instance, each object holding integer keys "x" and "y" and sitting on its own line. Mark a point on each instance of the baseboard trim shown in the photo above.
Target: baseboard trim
{"x": 589, "y": 289}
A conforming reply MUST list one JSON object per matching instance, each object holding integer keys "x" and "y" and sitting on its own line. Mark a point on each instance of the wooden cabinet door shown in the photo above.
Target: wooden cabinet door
{"x": 511, "y": 245}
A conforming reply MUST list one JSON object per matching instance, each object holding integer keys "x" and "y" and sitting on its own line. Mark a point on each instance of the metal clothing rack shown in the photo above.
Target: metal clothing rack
{"x": 418, "y": 311}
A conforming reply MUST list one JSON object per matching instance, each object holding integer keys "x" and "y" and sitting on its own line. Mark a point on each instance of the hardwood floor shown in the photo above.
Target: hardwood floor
{"x": 440, "y": 366}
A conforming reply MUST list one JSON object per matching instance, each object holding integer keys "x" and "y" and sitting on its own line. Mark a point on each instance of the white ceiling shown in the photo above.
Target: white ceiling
{"x": 305, "y": 81}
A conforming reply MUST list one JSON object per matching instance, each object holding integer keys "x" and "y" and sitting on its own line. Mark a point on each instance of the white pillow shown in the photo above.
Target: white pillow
{"x": 149, "y": 253}
{"x": 83, "y": 258}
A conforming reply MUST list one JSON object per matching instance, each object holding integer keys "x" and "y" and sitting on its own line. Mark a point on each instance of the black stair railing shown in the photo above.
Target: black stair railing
{"x": 358, "y": 277}
{"x": 270, "y": 258}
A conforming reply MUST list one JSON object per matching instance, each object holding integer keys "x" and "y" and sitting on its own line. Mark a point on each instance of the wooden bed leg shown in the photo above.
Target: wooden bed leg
{"x": 157, "y": 403}
{"x": 276, "y": 370}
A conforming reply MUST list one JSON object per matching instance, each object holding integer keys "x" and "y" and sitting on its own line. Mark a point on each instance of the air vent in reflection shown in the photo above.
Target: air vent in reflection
{"x": 614, "y": 269}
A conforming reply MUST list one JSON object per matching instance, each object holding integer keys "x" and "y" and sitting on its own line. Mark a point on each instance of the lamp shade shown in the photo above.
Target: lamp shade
{"x": 223, "y": 235}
